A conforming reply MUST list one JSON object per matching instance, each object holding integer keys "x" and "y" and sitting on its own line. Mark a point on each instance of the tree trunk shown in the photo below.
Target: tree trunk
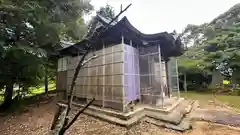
{"x": 7, "y": 96}
{"x": 185, "y": 82}
{"x": 46, "y": 83}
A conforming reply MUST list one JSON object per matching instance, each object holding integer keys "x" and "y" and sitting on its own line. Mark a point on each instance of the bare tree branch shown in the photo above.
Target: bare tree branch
{"x": 59, "y": 124}
{"x": 79, "y": 66}
{"x": 76, "y": 116}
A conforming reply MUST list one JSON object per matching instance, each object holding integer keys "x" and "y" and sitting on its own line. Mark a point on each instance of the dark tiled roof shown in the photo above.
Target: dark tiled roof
{"x": 170, "y": 43}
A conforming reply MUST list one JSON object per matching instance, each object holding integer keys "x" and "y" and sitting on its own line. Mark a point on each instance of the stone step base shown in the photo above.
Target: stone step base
{"x": 172, "y": 117}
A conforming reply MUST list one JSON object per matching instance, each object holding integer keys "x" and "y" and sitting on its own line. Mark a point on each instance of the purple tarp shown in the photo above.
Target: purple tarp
{"x": 131, "y": 73}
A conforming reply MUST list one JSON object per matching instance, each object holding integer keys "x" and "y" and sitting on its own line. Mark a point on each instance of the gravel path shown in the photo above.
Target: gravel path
{"x": 37, "y": 120}
{"x": 217, "y": 116}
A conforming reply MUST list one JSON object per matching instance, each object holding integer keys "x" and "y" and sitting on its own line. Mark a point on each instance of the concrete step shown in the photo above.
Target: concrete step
{"x": 138, "y": 110}
{"x": 115, "y": 120}
{"x": 111, "y": 113}
{"x": 176, "y": 121}
{"x": 174, "y": 117}
{"x": 182, "y": 126}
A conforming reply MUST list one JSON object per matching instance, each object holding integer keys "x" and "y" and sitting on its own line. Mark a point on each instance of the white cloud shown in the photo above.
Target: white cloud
{"x": 152, "y": 16}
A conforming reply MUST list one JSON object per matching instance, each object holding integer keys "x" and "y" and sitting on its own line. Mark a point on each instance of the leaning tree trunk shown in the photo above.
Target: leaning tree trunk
{"x": 7, "y": 96}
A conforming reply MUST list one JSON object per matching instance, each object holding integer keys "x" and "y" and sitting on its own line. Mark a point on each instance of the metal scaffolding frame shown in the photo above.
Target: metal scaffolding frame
{"x": 173, "y": 77}
{"x": 153, "y": 87}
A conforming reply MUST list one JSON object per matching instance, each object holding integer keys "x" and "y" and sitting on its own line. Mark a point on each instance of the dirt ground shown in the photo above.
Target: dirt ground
{"x": 216, "y": 105}
{"x": 36, "y": 120}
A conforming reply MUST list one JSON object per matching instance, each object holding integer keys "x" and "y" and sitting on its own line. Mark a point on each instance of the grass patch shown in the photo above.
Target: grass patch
{"x": 1, "y": 98}
{"x": 34, "y": 95}
{"x": 41, "y": 89}
{"x": 233, "y": 101}
{"x": 33, "y": 90}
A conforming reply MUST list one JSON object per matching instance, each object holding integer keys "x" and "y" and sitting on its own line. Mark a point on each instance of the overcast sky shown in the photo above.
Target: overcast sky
{"x": 152, "y": 16}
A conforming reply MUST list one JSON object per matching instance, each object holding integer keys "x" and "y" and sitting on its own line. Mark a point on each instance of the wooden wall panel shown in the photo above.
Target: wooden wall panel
{"x": 70, "y": 73}
{"x": 94, "y": 80}
{"x": 108, "y": 79}
{"x": 80, "y": 91}
{"x": 100, "y": 70}
{"x": 99, "y": 92}
{"x": 72, "y": 62}
{"x": 108, "y": 50}
{"x": 118, "y": 68}
{"x": 88, "y": 81}
{"x": 61, "y": 80}
{"x": 92, "y": 71}
{"x": 80, "y": 81}
{"x": 108, "y": 69}
{"x": 117, "y": 57}
{"x": 101, "y": 81}
{"x": 109, "y": 58}
{"x": 69, "y": 81}
{"x": 117, "y": 80}
{"x": 102, "y": 78}
{"x": 118, "y": 48}
{"x": 118, "y": 94}
{"x": 108, "y": 93}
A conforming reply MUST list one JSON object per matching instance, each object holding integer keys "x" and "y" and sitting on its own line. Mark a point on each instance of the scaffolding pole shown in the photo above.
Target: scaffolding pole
{"x": 170, "y": 77}
{"x": 178, "y": 91}
{"x": 123, "y": 77}
{"x": 160, "y": 73}
{"x": 103, "y": 72}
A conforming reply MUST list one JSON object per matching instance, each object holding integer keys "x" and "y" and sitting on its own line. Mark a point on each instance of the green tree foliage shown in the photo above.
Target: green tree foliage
{"x": 107, "y": 11}
{"x": 29, "y": 32}
{"x": 212, "y": 46}
{"x": 215, "y": 44}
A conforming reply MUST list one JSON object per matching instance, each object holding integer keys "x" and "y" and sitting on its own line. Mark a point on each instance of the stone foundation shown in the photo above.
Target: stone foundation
{"x": 172, "y": 115}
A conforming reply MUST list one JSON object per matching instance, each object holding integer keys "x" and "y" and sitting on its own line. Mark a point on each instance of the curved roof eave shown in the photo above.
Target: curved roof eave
{"x": 144, "y": 36}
